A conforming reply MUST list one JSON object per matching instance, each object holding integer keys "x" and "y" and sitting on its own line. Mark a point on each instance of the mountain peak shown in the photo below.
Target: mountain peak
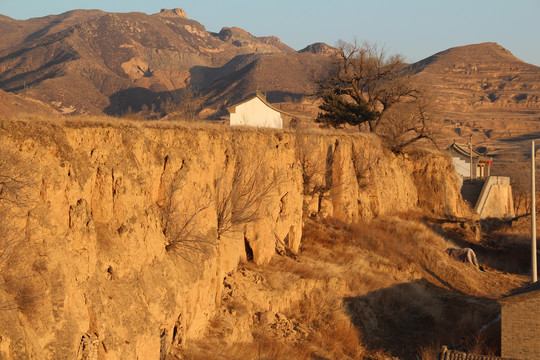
{"x": 487, "y": 54}
{"x": 320, "y": 48}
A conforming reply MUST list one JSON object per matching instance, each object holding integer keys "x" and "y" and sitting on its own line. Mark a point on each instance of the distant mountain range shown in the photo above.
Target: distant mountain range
{"x": 90, "y": 61}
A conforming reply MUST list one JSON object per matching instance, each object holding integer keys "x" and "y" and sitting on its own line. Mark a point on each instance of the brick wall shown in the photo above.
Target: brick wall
{"x": 520, "y": 329}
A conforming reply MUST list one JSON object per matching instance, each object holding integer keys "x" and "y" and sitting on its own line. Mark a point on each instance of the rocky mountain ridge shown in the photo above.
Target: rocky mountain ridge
{"x": 84, "y": 58}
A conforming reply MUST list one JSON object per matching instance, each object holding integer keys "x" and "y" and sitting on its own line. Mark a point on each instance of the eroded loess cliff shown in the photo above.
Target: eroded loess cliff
{"x": 127, "y": 230}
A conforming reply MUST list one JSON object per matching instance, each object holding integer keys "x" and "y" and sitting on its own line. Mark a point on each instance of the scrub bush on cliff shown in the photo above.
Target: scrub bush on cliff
{"x": 17, "y": 290}
{"x": 243, "y": 200}
{"x": 183, "y": 105}
{"x": 183, "y": 213}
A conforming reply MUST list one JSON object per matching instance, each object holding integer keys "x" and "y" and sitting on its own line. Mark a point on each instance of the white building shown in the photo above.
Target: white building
{"x": 461, "y": 157}
{"x": 256, "y": 111}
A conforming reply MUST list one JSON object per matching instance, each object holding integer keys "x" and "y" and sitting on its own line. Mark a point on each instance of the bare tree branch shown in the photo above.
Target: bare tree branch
{"x": 409, "y": 122}
{"x": 181, "y": 220}
{"x": 184, "y": 105}
{"x": 15, "y": 200}
{"x": 369, "y": 79}
{"x": 243, "y": 200}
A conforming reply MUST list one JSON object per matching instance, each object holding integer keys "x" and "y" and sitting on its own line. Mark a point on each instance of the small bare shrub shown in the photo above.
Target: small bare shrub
{"x": 331, "y": 331}
{"x": 181, "y": 220}
{"x": 479, "y": 344}
{"x": 244, "y": 200}
{"x": 184, "y": 104}
{"x": 312, "y": 164}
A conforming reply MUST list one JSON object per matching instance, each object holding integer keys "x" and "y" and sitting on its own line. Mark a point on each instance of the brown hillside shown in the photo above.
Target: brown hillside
{"x": 283, "y": 77}
{"x": 320, "y": 48}
{"x": 112, "y": 57}
{"x": 12, "y": 104}
{"x": 16, "y": 32}
{"x": 89, "y": 61}
{"x": 483, "y": 87}
{"x": 241, "y": 38}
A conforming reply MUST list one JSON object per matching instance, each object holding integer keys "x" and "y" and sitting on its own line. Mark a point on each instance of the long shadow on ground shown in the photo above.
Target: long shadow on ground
{"x": 478, "y": 236}
{"x": 407, "y": 317}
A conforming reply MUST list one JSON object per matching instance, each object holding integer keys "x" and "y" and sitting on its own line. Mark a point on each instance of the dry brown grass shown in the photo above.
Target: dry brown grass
{"x": 299, "y": 268}
{"x": 261, "y": 348}
{"x": 404, "y": 285}
{"x": 370, "y": 290}
{"x": 429, "y": 352}
{"x": 332, "y": 335}
{"x": 509, "y": 244}
{"x": 213, "y": 127}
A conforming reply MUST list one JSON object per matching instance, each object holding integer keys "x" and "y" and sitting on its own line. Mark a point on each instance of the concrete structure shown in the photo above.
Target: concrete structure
{"x": 489, "y": 196}
{"x": 495, "y": 199}
{"x": 520, "y": 327}
{"x": 461, "y": 157}
{"x": 256, "y": 111}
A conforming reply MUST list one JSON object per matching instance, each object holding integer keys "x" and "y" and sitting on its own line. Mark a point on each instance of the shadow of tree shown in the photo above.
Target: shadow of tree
{"x": 410, "y": 316}
{"x": 478, "y": 236}
{"x": 137, "y": 99}
{"x": 134, "y": 100}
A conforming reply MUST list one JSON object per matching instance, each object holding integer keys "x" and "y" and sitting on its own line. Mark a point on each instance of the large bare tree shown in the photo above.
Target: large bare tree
{"x": 363, "y": 85}
{"x": 184, "y": 105}
{"x": 409, "y": 121}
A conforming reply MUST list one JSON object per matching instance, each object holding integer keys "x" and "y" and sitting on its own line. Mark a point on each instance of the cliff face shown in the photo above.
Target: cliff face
{"x": 129, "y": 230}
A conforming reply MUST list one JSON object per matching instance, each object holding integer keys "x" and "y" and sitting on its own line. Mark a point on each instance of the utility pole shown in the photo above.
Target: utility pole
{"x": 533, "y": 216}
{"x": 470, "y": 152}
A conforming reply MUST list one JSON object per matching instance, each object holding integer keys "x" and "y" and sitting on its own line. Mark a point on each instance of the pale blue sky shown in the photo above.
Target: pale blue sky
{"x": 415, "y": 28}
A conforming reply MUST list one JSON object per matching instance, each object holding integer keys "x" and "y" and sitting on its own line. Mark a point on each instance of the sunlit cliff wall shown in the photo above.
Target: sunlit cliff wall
{"x": 129, "y": 230}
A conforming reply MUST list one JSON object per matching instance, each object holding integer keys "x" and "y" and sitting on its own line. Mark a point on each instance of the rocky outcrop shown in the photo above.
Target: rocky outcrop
{"x": 320, "y": 48}
{"x": 275, "y": 41}
{"x": 132, "y": 228}
{"x": 174, "y": 13}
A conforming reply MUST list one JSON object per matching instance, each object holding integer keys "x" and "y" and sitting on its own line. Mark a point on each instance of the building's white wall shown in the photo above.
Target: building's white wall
{"x": 256, "y": 113}
{"x": 462, "y": 167}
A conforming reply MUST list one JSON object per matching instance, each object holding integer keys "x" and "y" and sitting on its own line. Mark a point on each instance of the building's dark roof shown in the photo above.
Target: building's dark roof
{"x": 523, "y": 293}
{"x": 463, "y": 150}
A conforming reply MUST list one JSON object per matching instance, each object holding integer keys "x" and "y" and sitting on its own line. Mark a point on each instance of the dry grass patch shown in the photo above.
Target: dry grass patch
{"x": 404, "y": 287}
{"x": 263, "y": 347}
{"x": 331, "y": 333}
{"x": 370, "y": 290}
{"x": 301, "y": 269}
